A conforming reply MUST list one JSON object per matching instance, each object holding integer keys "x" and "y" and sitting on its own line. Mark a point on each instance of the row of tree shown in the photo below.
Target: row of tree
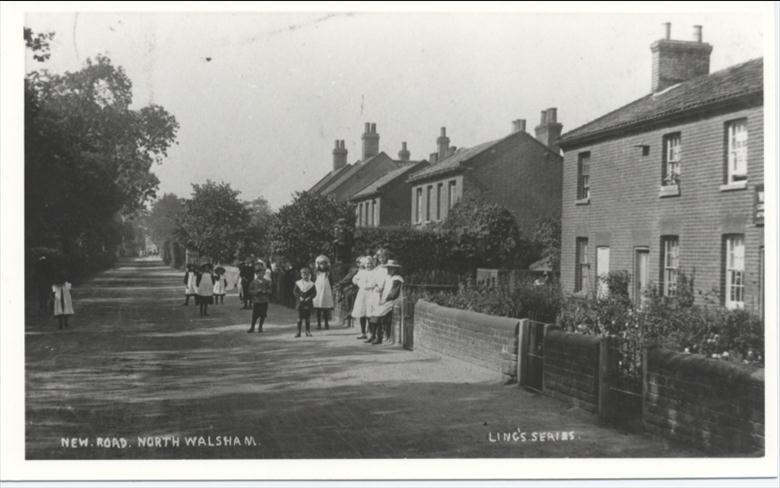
{"x": 88, "y": 161}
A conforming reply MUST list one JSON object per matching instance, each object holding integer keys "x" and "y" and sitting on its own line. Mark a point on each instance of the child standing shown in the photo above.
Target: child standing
{"x": 323, "y": 301}
{"x": 304, "y": 292}
{"x": 63, "y": 303}
{"x": 390, "y": 292}
{"x": 259, "y": 291}
{"x": 190, "y": 278}
{"x": 220, "y": 285}
{"x": 205, "y": 289}
{"x": 363, "y": 281}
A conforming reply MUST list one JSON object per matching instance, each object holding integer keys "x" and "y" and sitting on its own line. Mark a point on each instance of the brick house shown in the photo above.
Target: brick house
{"x": 518, "y": 172}
{"x": 347, "y": 179}
{"x": 671, "y": 182}
{"x": 385, "y": 202}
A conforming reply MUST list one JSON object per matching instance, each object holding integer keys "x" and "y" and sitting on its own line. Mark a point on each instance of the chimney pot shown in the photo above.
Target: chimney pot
{"x": 667, "y": 30}
{"x": 403, "y": 154}
{"x": 518, "y": 125}
{"x": 543, "y": 118}
{"x": 370, "y": 141}
{"x": 443, "y": 143}
{"x": 368, "y": 128}
{"x": 678, "y": 61}
{"x": 373, "y": 128}
{"x": 552, "y": 115}
{"x": 697, "y": 33}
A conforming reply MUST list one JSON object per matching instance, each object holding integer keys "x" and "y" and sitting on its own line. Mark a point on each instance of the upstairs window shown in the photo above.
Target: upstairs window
{"x": 736, "y": 150}
{"x": 670, "y": 260}
{"x": 583, "y": 176}
{"x": 671, "y": 164}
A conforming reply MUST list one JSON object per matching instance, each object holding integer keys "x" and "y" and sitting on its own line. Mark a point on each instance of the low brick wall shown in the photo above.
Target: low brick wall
{"x": 571, "y": 368}
{"x": 485, "y": 340}
{"x": 714, "y": 405}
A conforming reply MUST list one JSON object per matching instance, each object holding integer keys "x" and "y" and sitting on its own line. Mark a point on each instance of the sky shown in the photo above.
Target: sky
{"x": 261, "y": 97}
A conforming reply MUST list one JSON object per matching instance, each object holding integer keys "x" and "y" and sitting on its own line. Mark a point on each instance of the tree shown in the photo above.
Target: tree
{"x": 88, "y": 157}
{"x": 485, "y": 234}
{"x": 256, "y": 238}
{"x": 163, "y": 218}
{"x": 548, "y": 237}
{"x": 305, "y": 228}
{"x": 214, "y": 219}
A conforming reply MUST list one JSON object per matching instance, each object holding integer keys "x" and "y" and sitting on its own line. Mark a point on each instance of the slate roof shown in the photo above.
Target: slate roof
{"x": 325, "y": 180}
{"x": 377, "y": 185}
{"x": 734, "y": 82}
{"x": 455, "y": 161}
{"x": 343, "y": 176}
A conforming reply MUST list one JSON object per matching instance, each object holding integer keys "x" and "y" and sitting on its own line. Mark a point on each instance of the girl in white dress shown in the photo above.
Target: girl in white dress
{"x": 190, "y": 277}
{"x": 323, "y": 301}
{"x": 63, "y": 303}
{"x": 205, "y": 288}
{"x": 220, "y": 287}
{"x": 364, "y": 282}
{"x": 378, "y": 276}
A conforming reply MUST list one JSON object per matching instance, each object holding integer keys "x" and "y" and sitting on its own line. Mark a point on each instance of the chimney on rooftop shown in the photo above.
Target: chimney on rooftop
{"x": 549, "y": 129}
{"x": 434, "y": 157}
{"x": 518, "y": 125}
{"x": 370, "y": 141}
{"x": 403, "y": 154}
{"x": 443, "y": 143}
{"x": 339, "y": 155}
{"x": 677, "y": 61}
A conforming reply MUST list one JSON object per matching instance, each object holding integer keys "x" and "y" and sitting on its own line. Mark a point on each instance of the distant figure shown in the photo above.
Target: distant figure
{"x": 190, "y": 277}
{"x": 220, "y": 285}
{"x": 259, "y": 292}
{"x": 205, "y": 288}
{"x": 323, "y": 302}
{"x": 63, "y": 303}
{"x": 304, "y": 292}
{"x": 246, "y": 274}
{"x": 347, "y": 294}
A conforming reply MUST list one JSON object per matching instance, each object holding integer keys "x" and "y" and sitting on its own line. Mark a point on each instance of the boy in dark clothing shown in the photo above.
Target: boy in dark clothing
{"x": 304, "y": 292}
{"x": 247, "y": 273}
{"x": 259, "y": 291}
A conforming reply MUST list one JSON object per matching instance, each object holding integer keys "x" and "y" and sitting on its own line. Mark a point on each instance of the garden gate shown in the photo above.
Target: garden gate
{"x": 535, "y": 355}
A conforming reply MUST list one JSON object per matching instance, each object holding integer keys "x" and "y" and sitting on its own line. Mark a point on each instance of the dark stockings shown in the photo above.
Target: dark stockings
{"x": 62, "y": 320}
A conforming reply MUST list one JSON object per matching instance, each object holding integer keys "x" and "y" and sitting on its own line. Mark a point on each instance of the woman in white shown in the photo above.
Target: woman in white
{"x": 378, "y": 276}
{"x": 364, "y": 281}
{"x": 63, "y": 303}
{"x": 391, "y": 291}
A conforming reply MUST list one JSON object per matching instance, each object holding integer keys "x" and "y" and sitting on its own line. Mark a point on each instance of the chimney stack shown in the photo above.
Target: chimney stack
{"x": 549, "y": 129}
{"x": 339, "y": 155}
{"x": 370, "y": 141}
{"x": 443, "y": 143}
{"x": 677, "y": 61}
{"x": 434, "y": 157}
{"x": 403, "y": 154}
{"x": 518, "y": 125}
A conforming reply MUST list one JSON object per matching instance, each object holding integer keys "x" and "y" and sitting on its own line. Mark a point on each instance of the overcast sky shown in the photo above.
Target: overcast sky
{"x": 280, "y": 88}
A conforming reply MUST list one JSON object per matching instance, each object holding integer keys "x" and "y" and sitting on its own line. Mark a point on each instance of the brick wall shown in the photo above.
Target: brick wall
{"x": 626, "y": 212}
{"x": 714, "y": 405}
{"x": 484, "y": 340}
{"x": 571, "y": 368}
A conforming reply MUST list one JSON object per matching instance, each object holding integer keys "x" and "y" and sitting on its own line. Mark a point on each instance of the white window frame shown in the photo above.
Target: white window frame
{"x": 583, "y": 177}
{"x": 439, "y": 194}
{"x": 736, "y": 150}
{"x": 428, "y": 202}
{"x": 452, "y": 194}
{"x": 672, "y": 159}
{"x": 670, "y": 250}
{"x": 419, "y": 198}
{"x": 734, "y": 268}
{"x": 582, "y": 265}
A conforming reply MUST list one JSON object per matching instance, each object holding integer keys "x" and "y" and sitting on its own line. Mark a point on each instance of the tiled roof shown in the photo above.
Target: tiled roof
{"x": 345, "y": 175}
{"x": 325, "y": 180}
{"x": 377, "y": 185}
{"x": 452, "y": 161}
{"x": 733, "y": 82}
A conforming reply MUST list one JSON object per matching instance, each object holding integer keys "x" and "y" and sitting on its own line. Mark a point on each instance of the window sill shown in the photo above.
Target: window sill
{"x": 669, "y": 191}
{"x": 582, "y": 201}
{"x": 734, "y": 185}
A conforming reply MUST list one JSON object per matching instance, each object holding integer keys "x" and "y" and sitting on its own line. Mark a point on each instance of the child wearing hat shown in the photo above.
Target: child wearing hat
{"x": 220, "y": 285}
{"x": 259, "y": 293}
{"x": 304, "y": 292}
{"x": 189, "y": 284}
{"x": 205, "y": 289}
{"x": 390, "y": 292}
{"x": 323, "y": 301}
{"x": 364, "y": 282}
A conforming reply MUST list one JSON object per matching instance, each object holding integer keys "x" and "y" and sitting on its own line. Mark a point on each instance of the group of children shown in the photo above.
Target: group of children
{"x": 379, "y": 285}
{"x": 205, "y": 285}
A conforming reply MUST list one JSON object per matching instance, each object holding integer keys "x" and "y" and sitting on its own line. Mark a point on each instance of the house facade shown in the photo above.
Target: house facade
{"x": 671, "y": 183}
{"x": 519, "y": 172}
{"x": 385, "y": 202}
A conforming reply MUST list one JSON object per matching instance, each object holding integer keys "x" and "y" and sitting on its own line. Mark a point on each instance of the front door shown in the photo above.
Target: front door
{"x": 641, "y": 273}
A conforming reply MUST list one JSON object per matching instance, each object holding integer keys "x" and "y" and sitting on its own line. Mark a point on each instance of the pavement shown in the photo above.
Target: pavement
{"x": 139, "y": 376}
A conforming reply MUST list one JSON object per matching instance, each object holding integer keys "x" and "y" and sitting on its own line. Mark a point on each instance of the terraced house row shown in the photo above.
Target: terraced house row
{"x": 666, "y": 184}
